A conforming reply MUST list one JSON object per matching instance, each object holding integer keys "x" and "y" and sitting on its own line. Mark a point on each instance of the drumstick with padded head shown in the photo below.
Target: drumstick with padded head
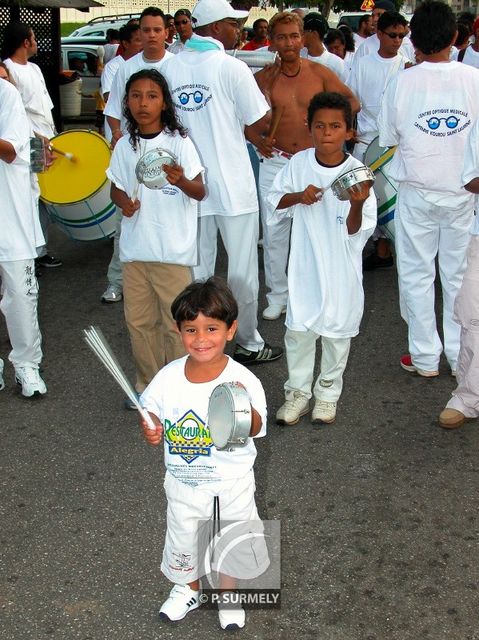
{"x": 65, "y": 154}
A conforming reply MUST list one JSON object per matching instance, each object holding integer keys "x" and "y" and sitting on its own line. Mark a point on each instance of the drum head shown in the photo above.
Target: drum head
{"x": 149, "y": 168}
{"x": 221, "y": 415}
{"x": 68, "y": 181}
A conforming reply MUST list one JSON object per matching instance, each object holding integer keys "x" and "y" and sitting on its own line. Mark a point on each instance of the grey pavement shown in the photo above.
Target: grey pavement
{"x": 379, "y": 512}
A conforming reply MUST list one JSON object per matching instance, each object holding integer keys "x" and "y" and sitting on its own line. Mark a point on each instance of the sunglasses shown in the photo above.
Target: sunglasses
{"x": 179, "y": 22}
{"x": 394, "y": 35}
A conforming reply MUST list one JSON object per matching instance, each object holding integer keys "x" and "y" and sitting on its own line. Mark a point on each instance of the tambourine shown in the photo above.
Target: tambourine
{"x": 149, "y": 168}
{"x": 350, "y": 179}
{"x": 229, "y": 416}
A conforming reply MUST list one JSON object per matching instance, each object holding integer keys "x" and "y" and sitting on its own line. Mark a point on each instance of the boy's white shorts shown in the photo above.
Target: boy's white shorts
{"x": 188, "y": 505}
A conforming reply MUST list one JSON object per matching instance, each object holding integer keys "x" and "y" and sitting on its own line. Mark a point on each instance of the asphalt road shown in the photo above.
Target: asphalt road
{"x": 379, "y": 512}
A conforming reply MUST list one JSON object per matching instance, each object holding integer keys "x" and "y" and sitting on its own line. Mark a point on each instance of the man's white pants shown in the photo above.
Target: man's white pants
{"x": 466, "y": 397}
{"x": 240, "y": 238}
{"x": 19, "y": 306}
{"x": 300, "y": 355}
{"x": 424, "y": 231}
{"x": 275, "y": 236}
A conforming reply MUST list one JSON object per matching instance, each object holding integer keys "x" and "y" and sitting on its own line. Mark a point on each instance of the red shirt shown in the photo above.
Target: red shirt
{"x": 252, "y": 45}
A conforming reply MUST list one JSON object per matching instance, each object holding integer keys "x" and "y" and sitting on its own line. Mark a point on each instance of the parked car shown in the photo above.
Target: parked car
{"x": 351, "y": 18}
{"x": 84, "y": 59}
{"x": 98, "y": 27}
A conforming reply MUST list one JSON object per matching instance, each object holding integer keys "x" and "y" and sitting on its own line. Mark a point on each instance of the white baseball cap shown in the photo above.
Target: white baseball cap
{"x": 208, "y": 11}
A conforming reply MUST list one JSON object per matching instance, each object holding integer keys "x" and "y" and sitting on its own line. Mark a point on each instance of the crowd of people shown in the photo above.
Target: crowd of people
{"x": 244, "y": 148}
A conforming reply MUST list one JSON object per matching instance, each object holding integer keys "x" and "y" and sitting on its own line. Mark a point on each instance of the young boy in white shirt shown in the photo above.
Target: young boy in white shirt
{"x": 200, "y": 479}
{"x": 324, "y": 272}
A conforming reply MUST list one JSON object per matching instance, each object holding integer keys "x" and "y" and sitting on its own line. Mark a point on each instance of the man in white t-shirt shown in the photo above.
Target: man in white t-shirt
{"x": 19, "y": 45}
{"x": 20, "y": 236}
{"x": 215, "y": 96}
{"x": 464, "y": 403}
{"x": 371, "y": 44}
{"x": 368, "y": 79}
{"x": 130, "y": 38}
{"x": 365, "y": 29}
{"x": 315, "y": 28}
{"x": 288, "y": 88}
{"x": 434, "y": 212}
{"x": 153, "y": 35}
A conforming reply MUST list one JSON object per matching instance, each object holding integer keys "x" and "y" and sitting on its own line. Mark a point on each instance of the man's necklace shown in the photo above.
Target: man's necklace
{"x": 292, "y": 75}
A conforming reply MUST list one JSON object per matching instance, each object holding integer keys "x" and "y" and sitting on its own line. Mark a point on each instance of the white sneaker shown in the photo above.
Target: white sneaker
{"x": 292, "y": 410}
{"x": 232, "y": 619}
{"x": 2, "y": 382}
{"x": 323, "y": 412}
{"x": 31, "y": 381}
{"x": 274, "y": 311}
{"x": 112, "y": 294}
{"x": 181, "y": 601}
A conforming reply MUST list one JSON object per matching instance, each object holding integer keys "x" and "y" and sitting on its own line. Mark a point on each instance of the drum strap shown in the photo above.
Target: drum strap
{"x": 216, "y": 528}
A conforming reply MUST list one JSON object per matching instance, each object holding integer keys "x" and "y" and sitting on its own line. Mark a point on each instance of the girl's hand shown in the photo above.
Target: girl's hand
{"x": 174, "y": 173}
{"x": 129, "y": 208}
{"x": 153, "y": 437}
{"x": 311, "y": 195}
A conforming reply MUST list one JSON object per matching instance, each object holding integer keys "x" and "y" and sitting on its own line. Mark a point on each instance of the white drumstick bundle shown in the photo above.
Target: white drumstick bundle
{"x": 100, "y": 347}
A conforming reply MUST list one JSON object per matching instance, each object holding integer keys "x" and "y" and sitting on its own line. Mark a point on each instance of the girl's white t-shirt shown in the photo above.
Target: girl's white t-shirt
{"x": 164, "y": 229}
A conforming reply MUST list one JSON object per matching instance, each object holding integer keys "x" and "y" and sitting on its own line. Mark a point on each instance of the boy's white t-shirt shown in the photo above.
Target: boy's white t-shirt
{"x": 368, "y": 80}
{"x": 471, "y": 169}
{"x": 325, "y": 262}
{"x": 30, "y": 83}
{"x": 20, "y": 227}
{"x": 215, "y": 96}
{"x": 428, "y": 111}
{"x": 164, "y": 229}
{"x": 182, "y": 407}
{"x": 114, "y": 106}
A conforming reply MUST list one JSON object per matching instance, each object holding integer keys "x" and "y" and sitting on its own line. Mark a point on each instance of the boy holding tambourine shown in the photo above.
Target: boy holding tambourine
{"x": 202, "y": 481}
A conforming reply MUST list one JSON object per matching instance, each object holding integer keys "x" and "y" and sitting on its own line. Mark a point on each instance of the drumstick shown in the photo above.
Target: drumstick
{"x": 278, "y": 112}
{"x": 65, "y": 154}
{"x": 100, "y": 347}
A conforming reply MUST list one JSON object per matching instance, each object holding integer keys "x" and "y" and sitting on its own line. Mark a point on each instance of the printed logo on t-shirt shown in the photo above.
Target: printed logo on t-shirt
{"x": 441, "y": 123}
{"x": 191, "y": 97}
{"x": 188, "y": 437}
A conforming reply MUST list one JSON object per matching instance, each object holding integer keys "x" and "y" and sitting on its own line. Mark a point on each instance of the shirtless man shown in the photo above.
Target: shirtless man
{"x": 288, "y": 87}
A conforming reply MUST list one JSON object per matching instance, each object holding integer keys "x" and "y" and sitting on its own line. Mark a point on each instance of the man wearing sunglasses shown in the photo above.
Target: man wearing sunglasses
{"x": 368, "y": 79}
{"x": 184, "y": 29}
{"x": 371, "y": 44}
{"x": 428, "y": 112}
